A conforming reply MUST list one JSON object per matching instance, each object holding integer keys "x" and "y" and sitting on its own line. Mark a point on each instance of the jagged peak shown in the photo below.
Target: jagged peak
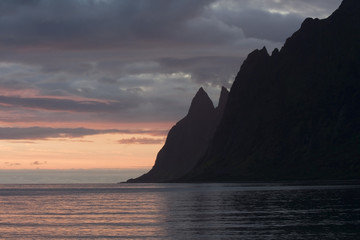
{"x": 223, "y": 97}
{"x": 264, "y": 50}
{"x": 258, "y": 54}
{"x": 275, "y": 52}
{"x": 201, "y": 91}
{"x": 201, "y": 103}
{"x": 345, "y": 19}
{"x": 309, "y": 22}
{"x": 256, "y": 57}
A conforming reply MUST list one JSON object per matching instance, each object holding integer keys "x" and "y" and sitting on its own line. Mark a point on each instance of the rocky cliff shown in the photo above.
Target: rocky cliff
{"x": 294, "y": 114}
{"x": 188, "y": 140}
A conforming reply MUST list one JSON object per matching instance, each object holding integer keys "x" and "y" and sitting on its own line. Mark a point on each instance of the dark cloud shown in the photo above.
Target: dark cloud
{"x": 94, "y": 24}
{"x": 44, "y": 133}
{"x": 261, "y": 24}
{"x": 135, "y": 60}
{"x": 37, "y": 163}
{"x": 202, "y": 68}
{"x": 8, "y": 133}
{"x": 134, "y": 24}
{"x": 11, "y": 164}
{"x": 54, "y": 104}
{"x": 134, "y": 140}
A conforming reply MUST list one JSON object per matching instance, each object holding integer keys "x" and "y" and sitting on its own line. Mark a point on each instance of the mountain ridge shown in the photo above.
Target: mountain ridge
{"x": 293, "y": 115}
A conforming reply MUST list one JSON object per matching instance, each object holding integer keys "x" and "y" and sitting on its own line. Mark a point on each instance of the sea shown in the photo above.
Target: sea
{"x": 246, "y": 211}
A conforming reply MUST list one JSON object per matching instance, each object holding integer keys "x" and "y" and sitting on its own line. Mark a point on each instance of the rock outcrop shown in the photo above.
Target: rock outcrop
{"x": 291, "y": 115}
{"x": 188, "y": 140}
{"x": 294, "y": 114}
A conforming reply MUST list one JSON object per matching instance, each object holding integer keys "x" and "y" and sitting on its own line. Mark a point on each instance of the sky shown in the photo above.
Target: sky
{"x": 97, "y": 84}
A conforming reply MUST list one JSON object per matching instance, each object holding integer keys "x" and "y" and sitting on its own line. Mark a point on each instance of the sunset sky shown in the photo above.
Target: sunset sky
{"x": 98, "y": 83}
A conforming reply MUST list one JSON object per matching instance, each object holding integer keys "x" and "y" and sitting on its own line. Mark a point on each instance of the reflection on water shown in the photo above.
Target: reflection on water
{"x": 179, "y": 211}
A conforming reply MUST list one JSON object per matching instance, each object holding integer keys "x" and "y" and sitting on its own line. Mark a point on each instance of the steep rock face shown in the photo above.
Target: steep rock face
{"x": 224, "y": 94}
{"x": 294, "y": 114}
{"x": 187, "y": 141}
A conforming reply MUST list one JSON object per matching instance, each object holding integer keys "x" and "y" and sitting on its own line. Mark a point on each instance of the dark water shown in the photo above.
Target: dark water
{"x": 179, "y": 211}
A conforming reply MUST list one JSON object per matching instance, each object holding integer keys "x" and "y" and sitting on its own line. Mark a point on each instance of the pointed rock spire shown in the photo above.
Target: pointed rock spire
{"x": 187, "y": 141}
{"x": 201, "y": 103}
{"x": 223, "y": 98}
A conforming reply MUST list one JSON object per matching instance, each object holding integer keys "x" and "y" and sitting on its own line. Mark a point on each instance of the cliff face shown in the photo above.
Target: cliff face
{"x": 187, "y": 141}
{"x": 294, "y": 114}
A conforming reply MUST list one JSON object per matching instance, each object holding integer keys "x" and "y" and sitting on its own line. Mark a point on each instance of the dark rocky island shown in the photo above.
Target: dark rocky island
{"x": 291, "y": 115}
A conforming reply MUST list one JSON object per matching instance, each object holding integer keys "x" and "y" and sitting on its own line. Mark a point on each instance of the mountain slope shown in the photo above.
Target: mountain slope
{"x": 188, "y": 140}
{"x": 294, "y": 114}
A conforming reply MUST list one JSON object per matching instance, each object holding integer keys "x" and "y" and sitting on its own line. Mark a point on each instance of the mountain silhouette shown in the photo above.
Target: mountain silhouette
{"x": 294, "y": 114}
{"x": 188, "y": 140}
{"x": 291, "y": 115}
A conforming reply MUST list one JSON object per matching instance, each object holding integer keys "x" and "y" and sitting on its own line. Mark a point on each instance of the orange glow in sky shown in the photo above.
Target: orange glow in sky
{"x": 85, "y": 92}
{"x": 96, "y": 151}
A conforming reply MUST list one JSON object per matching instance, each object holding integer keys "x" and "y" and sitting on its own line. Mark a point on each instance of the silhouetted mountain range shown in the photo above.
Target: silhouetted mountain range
{"x": 291, "y": 115}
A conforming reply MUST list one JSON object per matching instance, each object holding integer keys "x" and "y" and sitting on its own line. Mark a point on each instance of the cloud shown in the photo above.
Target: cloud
{"x": 131, "y": 60}
{"x": 202, "y": 71}
{"x": 45, "y": 24}
{"x": 139, "y": 24}
{"x": 134, "y": 140}
{"x": 260, "y": 24}
{"x": 54, "y": 104}
{"x": 305, "y": 8}
{"x": 11, "y": 164}
{"x": 44, "y": 133}
{"x": 35, "y": 133}
{"x": 37, "y": 163}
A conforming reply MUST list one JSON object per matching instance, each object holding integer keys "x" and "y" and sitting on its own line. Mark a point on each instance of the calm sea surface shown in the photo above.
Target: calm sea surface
{"x": 179, "y": 211}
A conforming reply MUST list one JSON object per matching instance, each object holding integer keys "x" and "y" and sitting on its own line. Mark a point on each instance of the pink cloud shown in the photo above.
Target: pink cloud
{"x": 134, "y": 140}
